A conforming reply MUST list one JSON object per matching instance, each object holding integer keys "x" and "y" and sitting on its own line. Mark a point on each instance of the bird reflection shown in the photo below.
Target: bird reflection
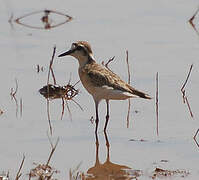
{"x": 106, "y": 170}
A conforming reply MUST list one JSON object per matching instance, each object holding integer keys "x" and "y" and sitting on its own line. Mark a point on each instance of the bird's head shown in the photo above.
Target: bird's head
{"x": 81, "y": 50}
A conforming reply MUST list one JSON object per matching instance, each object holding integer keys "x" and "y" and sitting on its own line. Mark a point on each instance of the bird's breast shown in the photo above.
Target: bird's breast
{"x": 85, "y": 79}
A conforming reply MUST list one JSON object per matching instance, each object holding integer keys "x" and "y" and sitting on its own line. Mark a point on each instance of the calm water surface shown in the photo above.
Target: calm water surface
{"x": 158, "y": 38}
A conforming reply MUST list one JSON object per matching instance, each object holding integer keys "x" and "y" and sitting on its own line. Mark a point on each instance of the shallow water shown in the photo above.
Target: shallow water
{"x": 159, "y": 39}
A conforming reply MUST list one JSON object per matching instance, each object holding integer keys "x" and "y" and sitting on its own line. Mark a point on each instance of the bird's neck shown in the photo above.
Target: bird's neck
{"x": 83, "y": 60}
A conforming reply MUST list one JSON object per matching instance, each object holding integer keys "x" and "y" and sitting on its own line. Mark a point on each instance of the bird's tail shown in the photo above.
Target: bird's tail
{"x": 139, "y": 93}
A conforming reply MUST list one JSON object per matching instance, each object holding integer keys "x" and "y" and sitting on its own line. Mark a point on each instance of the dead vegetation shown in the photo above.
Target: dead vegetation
{"x": 13, "y": 92}
{"x": 157, "y": 105}
{"x": 46, "y": 19}
{"x": 163, "y": 173}
{"x": 184, "y": 96}
{"x": 76, "y": 174}
{"x": 45, "y": 171}
{"x": 191, "y": 21}
{"x": 42, "y": 172}
{"x": 20, "y": 167}
{"x": 54, "y": 91}
{"x": 129, "y": 81}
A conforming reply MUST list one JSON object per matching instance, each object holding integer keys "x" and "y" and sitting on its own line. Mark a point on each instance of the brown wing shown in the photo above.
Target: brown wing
{"x": 101, "y": 76}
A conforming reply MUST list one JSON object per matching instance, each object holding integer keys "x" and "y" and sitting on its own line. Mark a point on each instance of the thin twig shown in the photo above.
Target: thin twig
{"x": 110, "y": 60}
{"x": 76, "y": 83}
{"x": 13, "y": 93}
{"x": 19, "y": 171}
{"x": 21, "y": 107}
{"x": 48, "y": 113}
{"x": 184, "y": 97}
{"x": 69, "y": 111}
{"x": 13, "y": 96}
{"x": 157, "y": 108}
{"x": 191, "y": 21}
{"x": 50, "y": 67}
{"x": 128, "y": 68}
{"x": 195, "y": 138}
{"x": 78, "y": 104}
{"x": 53, "y": 75}
{"x": 189, "y": 107}
{"x": 53, "y": 150}
{"x": 50, "y": 70}
{"x": 128, "y": 113}
{"x": 183, "y": 86}
{"x": 62, "y": 113}
{"x": 129, "y": 80}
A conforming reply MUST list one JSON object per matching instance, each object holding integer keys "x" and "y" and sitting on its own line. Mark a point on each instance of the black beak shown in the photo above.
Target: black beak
{"x": 66, "y": 53}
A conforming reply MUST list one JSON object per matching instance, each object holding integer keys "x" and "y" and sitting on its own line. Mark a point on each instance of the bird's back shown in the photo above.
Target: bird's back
{"x": 95, "y": 75}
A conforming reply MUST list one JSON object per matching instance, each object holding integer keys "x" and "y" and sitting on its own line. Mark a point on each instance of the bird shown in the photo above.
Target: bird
{"x": 100, "y": 81}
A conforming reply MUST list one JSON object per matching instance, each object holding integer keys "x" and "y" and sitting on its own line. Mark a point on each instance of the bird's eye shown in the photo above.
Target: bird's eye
{"x": 74, "y": 46}
{"x": 79, "y": 48}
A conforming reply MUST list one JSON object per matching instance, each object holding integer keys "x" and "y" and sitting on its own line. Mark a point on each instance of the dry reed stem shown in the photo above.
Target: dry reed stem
{"x": 69, "y": 111}
{"x": 189, "y": 107}
{"x": 50, "y": 67}
{"x": 19, "y": 171}
{"x": 62, "y": 113}
{"x": 53, "y": 149}
{"x": 50, "y": 70}
{"x": 75, "y": 174}
{"x": 191, "y": 21}
{"x": 13, "y": 96}
{"x": 128, "y": 68}
{"x": 48, "y": 114}
{"x": 157, "y": 107}
{"x": 129, "y": 80}
{"x": 21, "y": 107}
{"x": 185, "y": 99}
{"x": 78, "y": 104}
{"x": 109, "y": 61}
{"x": 183, "y": 86}
{"x": 195, "y": 138}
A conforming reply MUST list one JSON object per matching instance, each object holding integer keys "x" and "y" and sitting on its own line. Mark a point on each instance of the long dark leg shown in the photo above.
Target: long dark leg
{"x": 107, "y": 115}
{"x": 97, "y": 117}
{"x": 108, "y": 147}
{"x": 97, "y": 162}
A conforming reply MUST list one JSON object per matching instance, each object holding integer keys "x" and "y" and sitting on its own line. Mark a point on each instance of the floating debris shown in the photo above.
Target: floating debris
{"x": 42, "y": 171}
{"x": 160, "y": 173}
{"x": 56, "y": 92}
{"x": 47, "y": 19}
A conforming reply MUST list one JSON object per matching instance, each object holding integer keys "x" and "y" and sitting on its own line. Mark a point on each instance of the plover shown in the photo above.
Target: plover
{"x": 99, "y": 81}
